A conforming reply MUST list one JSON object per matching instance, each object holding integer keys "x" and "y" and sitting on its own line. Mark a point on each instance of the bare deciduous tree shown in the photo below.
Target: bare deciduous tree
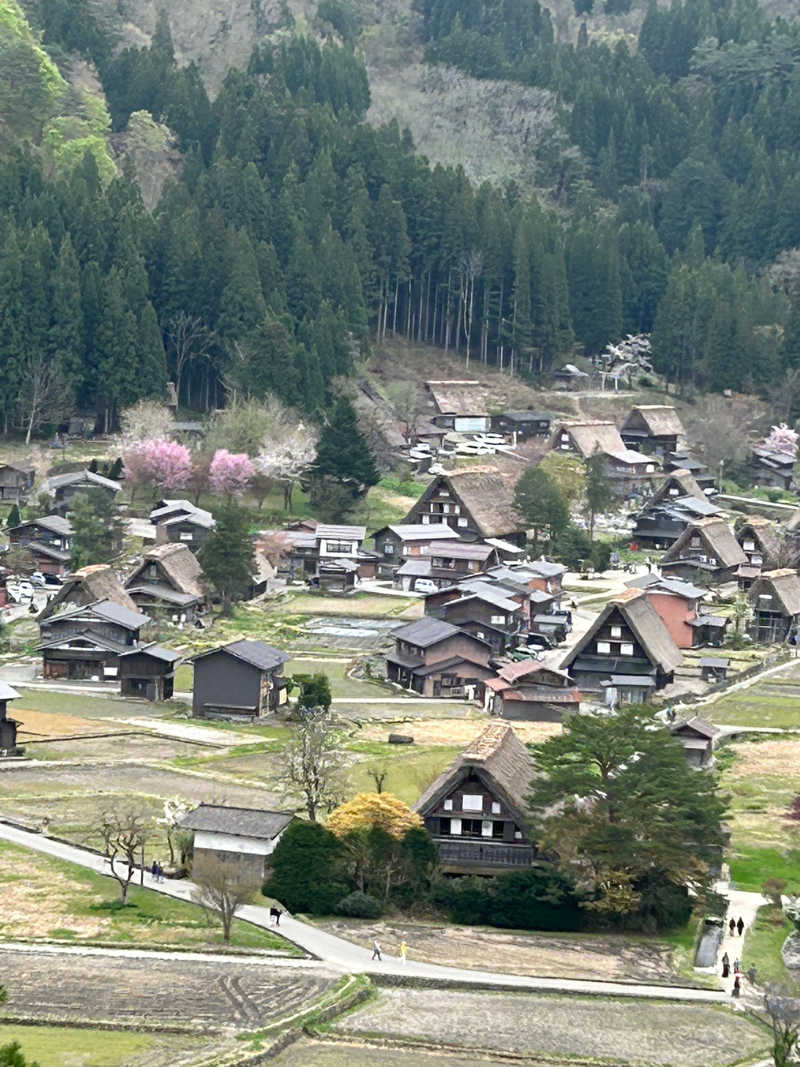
{"x": 286, "y": 454}
{"x": 222, "y": 888}
{"x": 404, "y": 400}
{"x": 44, "y": 394}
{"x": 189, "y": 339}
{"x": 123, "y": 835}
{"x": 146, "y": 420}
{"x": 782, "y": 1006}
{"x": 313, "y": 762}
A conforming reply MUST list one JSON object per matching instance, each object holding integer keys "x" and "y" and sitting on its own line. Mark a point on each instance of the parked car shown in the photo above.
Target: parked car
{"x": 425, "y": 585}
{"x": 539, "y": 641}
{"x": 38, "y": 579}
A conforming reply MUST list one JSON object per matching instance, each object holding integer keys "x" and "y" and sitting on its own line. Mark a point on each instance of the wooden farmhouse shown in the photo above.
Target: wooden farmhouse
{"x": 241, "y": 680}
{"x": 445, "y": 562}
{"x": 627, "y": 470}
{"x": 86, "y": 642}
{"x": 190, "y": 529}
{"x": 654, "y": 429}
{"x": 88, "y": 585}
{"x": 169, "y": 582}
{"x": 16, "y": 482}
{"x": 148, "y": 671}
{"x": 65, "y": 487}
{"x": 459, "y": 406}
{"x": 682, "y": 459}
{"x": 436, "y": 659}
{"x": 489, "y": 612}
{"x": 241, "y": 838}
{"x": 529, "y": 691}
{"x": 475, "y": 811}
{"x": 400, "y": 541}
{"x": 771, "y": 467}
{"x": 697, "y": 738}
{"x": 760, "y": 543}
{"x": 677, "y": 502}
{"x": 47, "y": 539}
{"x": 522, "y": 425}
{"x": 775, "y": 598}
{"x": 8, "y": 727}
{"x": 705, "y": 551}
{"x": 476, "y": 503}
{"x": 627, "y": 650}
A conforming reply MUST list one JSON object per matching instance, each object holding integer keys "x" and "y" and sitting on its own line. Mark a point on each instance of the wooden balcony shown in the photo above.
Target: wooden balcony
{"x": 478, "y": 854}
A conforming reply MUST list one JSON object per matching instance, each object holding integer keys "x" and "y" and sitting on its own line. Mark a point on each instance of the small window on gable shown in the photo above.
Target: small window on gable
{"x": 472, "y": 802}
{"x": 626, "y": 649}
{"x": 462, "y": 522}
{"x": 616, "y": 631}
{"x": 495, "y": 807}
{"x": 603, "y": 647}
{"x": 448, "y": 804}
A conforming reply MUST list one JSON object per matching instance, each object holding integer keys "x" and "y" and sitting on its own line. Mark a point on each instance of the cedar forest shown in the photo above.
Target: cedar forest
{"x": 297, "y": 233}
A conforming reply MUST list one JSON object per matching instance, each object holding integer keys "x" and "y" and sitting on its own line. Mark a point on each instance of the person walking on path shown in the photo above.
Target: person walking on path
{"x": 732, "y": 927}
{"x": 376, "y": 950}
{"x": 403, "y": 951}
{"x": 278, "y": 914}
{"x": 737, "y": 986}
{"x": 740, "y": 926}
{"x": 726, "y": 966}
{"x": 737, "y": 966}
{"x": 154, "y": 871}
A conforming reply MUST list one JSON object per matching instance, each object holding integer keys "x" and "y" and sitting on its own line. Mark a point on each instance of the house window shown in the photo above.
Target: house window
{"x": 498, "y": 620}
{"x": 388, "y": 548}
{"x": 186, "y": 537}
{"x": 462, "y": 522}
{"x": 626, "y": 649}
{"x": 456, "y": 509}
{"x": 480, "y": 634}
{"x": 495, "y": 807}
{"x": 603, "y": 647}
{"x": 695, "y": 542}
{"x": 455, "y": 827}
{"x": 498, "y": 829}
{"x": 445, "y": 509}
{"x": 748, "y": 546}
{"x": 518, "y": 835}
{"x": 616, "y": 631}
{"x": 448, "y": 805}
{"x": 565, "y": 438}
{"x": 673, "y": 491}
{"x": 486, "y": 828}
{"x": 756, "y": 559}
{"x": 425, "y": 520}
{"x": 339, "y": 546}
{"x": 472, "y": 802}
{"x": 471, "y": 827}
{"x": 444, "y": 827}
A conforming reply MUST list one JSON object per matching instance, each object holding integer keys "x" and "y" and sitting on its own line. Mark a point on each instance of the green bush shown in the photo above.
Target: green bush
{"x": 539, "y": 898}
{"x": 306, "y": 872}
{"x": 664, "y": 905}
{"x": 359, "y": 905}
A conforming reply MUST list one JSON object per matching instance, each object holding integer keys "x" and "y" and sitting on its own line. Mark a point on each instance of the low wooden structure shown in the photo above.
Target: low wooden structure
{"x": 16, "y": 482}
{"x": 8, "y": 727}
{"x": 148, "y": 671}
{"x": 240, "y": 838}
{"x": 434, "y": 658}
{"x": 529, "y": 691}
{"x": 240, "y": 680}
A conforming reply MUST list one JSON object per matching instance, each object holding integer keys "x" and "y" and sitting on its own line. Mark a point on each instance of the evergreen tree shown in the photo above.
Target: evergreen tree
{"x": 96, "y": 528}
{"x": 226, "y": 555}
{"x": 541, "y": 505}
{"x": 343, "y": 455}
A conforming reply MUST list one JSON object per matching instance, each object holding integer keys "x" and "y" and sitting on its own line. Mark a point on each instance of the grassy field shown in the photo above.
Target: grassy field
{"x": 65, "y": 1046}
{"x": 762, "y": 945}
{"x": 774, "y": 701}
{"x": 48, "y": 898}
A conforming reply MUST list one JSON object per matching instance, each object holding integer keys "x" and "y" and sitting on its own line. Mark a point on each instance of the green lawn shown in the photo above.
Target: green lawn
{"x": 64, "y": 1046}
{"x": 773, "y": 701}
{"x": 337, "y": 672}
{"x": 750, "y": 867}
{"x": 90, "y": 707}
{"x": 763, "y": 942}
{"x": 45, "y": 897}
{"x": 409, "y": 770}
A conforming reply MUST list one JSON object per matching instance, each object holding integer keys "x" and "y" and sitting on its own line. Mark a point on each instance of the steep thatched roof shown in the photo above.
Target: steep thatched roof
{"x": 458, "y": 397}
{"x": 646, "y": 624}
{"x": 87, "y": 586}
{"x": 503, "y": 759}
{"x": 764, "y": 534}
{"x": 782, "y": 585}
{"x": 682, "y": 480}
{"x": 179, "y": 565}
{"x": 661, "y": 420}
{"x": 489, "y": 498}
{"x": 589, "y": 436}
{"x": 717, "y": 538}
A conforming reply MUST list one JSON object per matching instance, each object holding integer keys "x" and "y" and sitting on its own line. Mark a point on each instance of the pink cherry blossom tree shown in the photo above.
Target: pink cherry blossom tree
{"x": 782, "y": 439}
{"x": 230, "y": 472}
{"x": 157, "y": 462}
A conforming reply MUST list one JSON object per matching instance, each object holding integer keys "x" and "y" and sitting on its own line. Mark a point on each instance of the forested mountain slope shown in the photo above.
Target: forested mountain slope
{"x": 298, "y": 231}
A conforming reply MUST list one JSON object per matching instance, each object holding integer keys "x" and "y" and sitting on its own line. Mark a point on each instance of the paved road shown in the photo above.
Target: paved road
{"x": 349, "y": 958}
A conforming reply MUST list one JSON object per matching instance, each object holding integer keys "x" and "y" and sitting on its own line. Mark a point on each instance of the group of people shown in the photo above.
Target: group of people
{"x": 736, "y": 926}
{"x": 377, "y": 953}
{"x": 157, "y": 871}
